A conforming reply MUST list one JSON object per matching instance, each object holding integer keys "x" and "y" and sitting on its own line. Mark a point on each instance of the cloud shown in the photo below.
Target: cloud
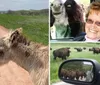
{"x": 23, "y": 4}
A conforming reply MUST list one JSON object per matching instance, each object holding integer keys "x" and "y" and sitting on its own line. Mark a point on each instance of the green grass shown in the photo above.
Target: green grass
{"x": 54, "y": 64}
{"x": 34, "y": 27}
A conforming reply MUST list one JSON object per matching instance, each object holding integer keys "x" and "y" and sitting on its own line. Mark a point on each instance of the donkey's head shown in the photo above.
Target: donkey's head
{"x": 57, "y": 8}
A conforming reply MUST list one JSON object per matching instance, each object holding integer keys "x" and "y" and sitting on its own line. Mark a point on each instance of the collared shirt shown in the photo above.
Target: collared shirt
{"x": 89, "y": 40}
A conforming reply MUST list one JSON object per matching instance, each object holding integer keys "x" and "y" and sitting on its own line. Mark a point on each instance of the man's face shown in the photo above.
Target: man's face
{"x": 92, "y": 27}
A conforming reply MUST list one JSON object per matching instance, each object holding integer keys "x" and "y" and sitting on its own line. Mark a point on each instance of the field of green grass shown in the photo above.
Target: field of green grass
{"x": 34, "y": 27}
{"x": 54, "y": 64}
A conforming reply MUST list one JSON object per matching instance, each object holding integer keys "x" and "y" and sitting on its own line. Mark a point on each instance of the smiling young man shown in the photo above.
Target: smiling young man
{"x": 92, "y": 26}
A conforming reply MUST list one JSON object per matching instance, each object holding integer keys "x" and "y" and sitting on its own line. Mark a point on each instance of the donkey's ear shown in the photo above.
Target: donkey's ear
{"x": 15, "y": 36}
{"x": 20, "y": 30}
{"x": 12, "y": 38}
{"x": 16, "y": 32}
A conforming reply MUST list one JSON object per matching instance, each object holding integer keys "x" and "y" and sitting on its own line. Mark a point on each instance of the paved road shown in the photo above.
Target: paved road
{"x": 62, "y": 83}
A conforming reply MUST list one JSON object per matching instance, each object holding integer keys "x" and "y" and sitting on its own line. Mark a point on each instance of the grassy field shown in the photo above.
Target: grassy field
{"x": 34, "y": 27}
{"x": 54, "y": 64}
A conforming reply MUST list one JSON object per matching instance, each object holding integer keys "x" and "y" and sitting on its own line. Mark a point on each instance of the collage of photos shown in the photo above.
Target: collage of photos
{"x": 50, "y": 42}
{"x": 74, "y": 42}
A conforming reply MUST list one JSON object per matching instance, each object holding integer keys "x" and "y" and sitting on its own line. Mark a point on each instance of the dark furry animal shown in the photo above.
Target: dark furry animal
{"x": 80, "y": 74}
{"x": 90, "y": 49}
{"x": 50, "y": 48}
{"x": 73, "y": 10}
{"x": 75, "y": 17}
{"x": 96, "y": 50}
{"x": 61, "y": 53}
{"x": 84, "y": 48}
{"x": 78, "y": 49}
{"x": 52, "y": 19}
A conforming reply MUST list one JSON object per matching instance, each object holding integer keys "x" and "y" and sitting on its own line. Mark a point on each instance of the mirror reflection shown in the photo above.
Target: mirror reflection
{"x": 77, "y": 70}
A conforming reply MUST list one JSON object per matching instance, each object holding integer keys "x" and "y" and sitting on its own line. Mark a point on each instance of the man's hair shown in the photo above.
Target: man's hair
{"x": 93, "y": 8}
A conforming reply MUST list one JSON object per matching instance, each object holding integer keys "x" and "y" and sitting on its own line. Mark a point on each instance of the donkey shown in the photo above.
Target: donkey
{"x": 60, "y": 26}
{"x": 32, "y": 56}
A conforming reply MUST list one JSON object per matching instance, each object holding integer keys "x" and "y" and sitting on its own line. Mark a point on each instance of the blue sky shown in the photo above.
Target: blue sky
{"x": 23, "y": 4}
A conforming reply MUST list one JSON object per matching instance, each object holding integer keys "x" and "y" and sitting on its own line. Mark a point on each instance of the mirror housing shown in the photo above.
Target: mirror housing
{"x": 80, "y": 72}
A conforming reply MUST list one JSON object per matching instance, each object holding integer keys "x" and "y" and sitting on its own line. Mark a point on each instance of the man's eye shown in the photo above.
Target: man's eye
{"x": 89, "y": 21}
{"x": 97, "y": 23}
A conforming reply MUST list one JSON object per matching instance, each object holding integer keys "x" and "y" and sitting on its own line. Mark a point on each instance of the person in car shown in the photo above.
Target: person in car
{"x": 92, "y": 26}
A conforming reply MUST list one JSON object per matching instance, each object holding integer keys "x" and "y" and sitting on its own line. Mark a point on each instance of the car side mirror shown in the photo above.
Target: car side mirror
{"x": 80, "y": 72}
